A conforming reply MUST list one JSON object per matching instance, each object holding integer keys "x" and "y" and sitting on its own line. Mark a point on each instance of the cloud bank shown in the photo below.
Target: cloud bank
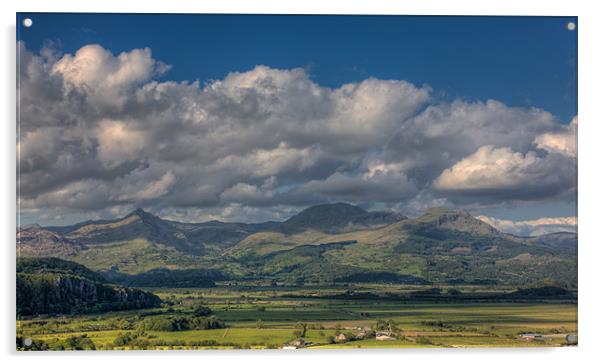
{"x": 545, "y": 225}
{"x": 100, "y": 135}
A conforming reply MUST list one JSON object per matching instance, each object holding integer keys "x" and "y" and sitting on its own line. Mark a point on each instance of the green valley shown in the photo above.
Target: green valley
{"x": 331, "y": 276}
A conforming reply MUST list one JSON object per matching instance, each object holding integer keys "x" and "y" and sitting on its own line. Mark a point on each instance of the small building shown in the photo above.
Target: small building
{"x": 530, "y": 336}
{"x": 384, "y": 335}
{"x": 296, "y": 344}
{"x": 340, "y": 337}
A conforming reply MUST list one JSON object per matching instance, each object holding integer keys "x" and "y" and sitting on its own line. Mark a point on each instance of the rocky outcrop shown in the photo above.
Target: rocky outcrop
{"x": 47, "y": 292}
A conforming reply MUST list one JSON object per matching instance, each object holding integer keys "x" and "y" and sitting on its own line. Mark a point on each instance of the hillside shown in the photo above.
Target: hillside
{"x": 138, "y": 224}
{"x": 338, "y": 217}
{"x": 441, "y": 246}
{"x": 324, "y": 243}
{"x": 49, "y": 266}
{"x": 190, "y": 238}
{"x": 33, "y": 240}
{"x": 51, "y": 285}
{"x": 564, "y": 241}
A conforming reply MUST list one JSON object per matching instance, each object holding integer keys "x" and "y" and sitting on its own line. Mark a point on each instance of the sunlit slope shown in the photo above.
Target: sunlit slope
{"x": 441, "y": 246}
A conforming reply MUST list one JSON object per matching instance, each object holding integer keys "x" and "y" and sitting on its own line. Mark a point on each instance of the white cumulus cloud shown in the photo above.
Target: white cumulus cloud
{"x": 101, "y": 133}
{"x": 564, "y": 141}
{"x": 544, "y": 225}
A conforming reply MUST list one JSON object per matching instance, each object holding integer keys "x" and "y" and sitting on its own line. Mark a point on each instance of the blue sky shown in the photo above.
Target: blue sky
{"x": 521, "y": 61}
{"x": 412, "y": 79}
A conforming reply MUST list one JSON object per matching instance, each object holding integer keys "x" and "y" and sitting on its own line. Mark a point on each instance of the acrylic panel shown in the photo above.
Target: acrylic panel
{"x": 295, "y": 182}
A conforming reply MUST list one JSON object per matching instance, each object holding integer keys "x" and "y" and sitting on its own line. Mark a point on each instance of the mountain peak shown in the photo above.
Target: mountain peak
{"x": 437, "y": 211}
{"x": 29, "y": 227}
{"x": 138, "y": 211}
{"x": 334, "y": 211}
{"x": 444, "y": 214}
{"x": 325, "y": 217}
{"x": 141, "y": 214}
{"x": 338, "y": 217}
{"x": 456, "y": 220}
{"x": 338, "y": 207}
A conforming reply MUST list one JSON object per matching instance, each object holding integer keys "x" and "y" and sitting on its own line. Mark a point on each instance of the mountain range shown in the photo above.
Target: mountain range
{"x": 322, "y": 244}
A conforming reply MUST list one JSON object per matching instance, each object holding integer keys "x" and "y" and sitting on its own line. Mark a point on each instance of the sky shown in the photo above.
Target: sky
{"x": 251, "y": 118}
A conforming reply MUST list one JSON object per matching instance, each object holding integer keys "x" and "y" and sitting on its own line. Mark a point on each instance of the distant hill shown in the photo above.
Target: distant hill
{"x": 449, "y": 220}
{"x": 189, "y": 238}
{"x": 137, "y": 224}
{"x": 338, "y": 217}
{"x": 324, "y": 243}
{"x": 51, "y": 286}
{"x": 33, "y": 240}
{"x": 565, "y": 241}
{"x": 441, "y": 246}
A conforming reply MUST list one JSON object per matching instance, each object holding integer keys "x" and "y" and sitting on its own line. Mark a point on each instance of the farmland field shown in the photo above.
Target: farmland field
{"x": 268, "y": 317}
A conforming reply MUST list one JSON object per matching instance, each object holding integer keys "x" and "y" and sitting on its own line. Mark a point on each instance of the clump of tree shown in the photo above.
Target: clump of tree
{"x": 182, "y": 323}
{"x": 202, "y": 311}
{"x": 31, "y": 345}
{"x": 123, "y": 338}
{"x": 435, "y": 291}
{"x": 381, "y": 277}
{"x": 386, "y": 325}
{"x": 454, "y": 292}
{"x": 438, "y": 323}
{"x": 337, "y": 329}
{"x": 423, "y": 341}
{"x": 162, "y": 277}
{"x": 77, "y": 342}
{"x": 300, "y": 330}
{"x": 81, "y": 342}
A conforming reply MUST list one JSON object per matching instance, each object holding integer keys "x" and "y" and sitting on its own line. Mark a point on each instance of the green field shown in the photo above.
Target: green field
{"x": 262, "y": 317}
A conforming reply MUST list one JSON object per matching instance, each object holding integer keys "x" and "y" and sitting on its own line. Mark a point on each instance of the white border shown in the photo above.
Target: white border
{"x": 406, "y": 7}
{"x": 590, "y": 203}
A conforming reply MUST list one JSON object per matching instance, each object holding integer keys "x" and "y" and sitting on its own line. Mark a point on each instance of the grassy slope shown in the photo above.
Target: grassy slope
{"x": 424, "y": 247}
{"x": 134, "y": 256}
{"x": 409, "y": 248}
